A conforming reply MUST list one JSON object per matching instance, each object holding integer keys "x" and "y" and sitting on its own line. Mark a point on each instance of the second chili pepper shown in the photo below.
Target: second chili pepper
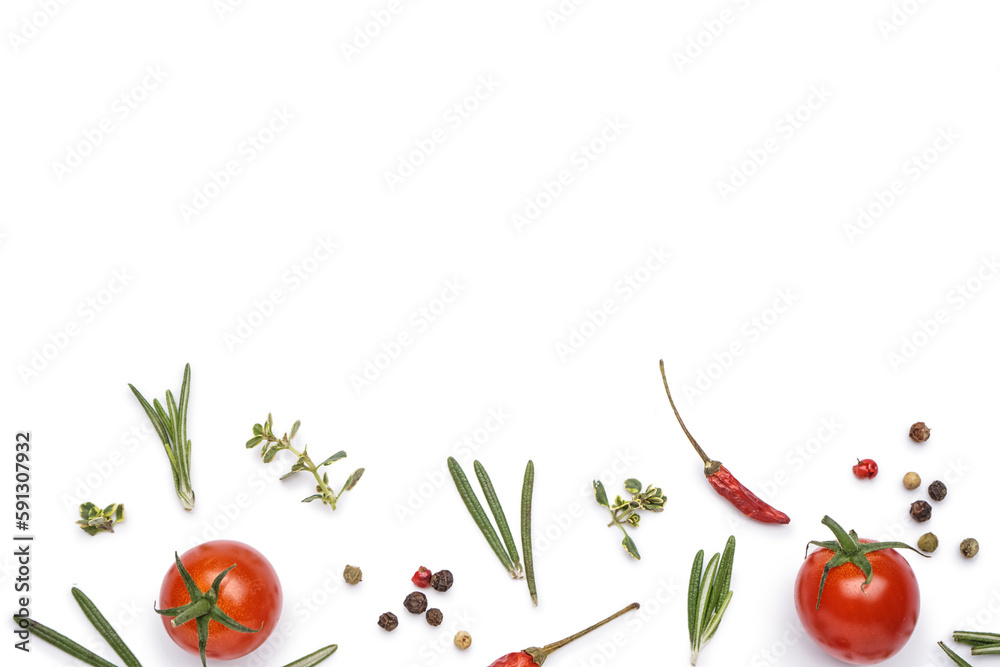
{"x": 723, "y": 481}
{"x": 534, "y": 656}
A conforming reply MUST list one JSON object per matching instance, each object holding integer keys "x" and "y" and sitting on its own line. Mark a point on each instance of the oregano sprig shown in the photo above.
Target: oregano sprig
{"x": 262, "y": 433}
{"x": 627, "y": 511}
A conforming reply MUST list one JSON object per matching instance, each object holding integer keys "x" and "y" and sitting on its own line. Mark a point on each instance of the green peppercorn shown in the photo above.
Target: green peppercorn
{"x": 911, "y": 480}
{"x": 969, "y": 548}
{"x": 928, "y": 542}
{"x": 352, "y": 575}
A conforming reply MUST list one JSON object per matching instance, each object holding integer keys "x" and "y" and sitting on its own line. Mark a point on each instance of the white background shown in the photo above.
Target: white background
{"x": 892, "y": 82}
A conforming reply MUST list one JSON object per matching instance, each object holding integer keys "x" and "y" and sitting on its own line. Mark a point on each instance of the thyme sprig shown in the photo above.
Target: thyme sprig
{"x": 262, "y": 433}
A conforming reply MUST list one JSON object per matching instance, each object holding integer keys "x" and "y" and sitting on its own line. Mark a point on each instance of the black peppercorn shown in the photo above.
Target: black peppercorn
{"x": 919, "y": 432}
{"x": 442, "y": 581}
{"x": 434, "y": 617}
{"x": 937, "y": 491}
{"x": 415, "y": 603}
{"x": 388, "y": 621}
{"x": 920, "y": 510}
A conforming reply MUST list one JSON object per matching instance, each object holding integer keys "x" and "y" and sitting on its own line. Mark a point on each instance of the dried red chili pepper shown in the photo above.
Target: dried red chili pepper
{"x": 723, "y": 481}
{"x": 534, "y": 656}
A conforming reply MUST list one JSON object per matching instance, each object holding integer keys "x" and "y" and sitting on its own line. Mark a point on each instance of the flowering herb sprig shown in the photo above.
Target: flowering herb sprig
{"x": 627, "y": 511}
{"x": 262, "y": 433}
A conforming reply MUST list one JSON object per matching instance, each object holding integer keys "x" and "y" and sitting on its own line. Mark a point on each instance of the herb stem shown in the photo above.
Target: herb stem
{"x": 307, "y": 462}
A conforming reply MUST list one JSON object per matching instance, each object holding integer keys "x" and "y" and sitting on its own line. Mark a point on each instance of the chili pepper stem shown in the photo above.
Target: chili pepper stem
{"x": 710, "y": 466}
{"x": 540, "y": 654}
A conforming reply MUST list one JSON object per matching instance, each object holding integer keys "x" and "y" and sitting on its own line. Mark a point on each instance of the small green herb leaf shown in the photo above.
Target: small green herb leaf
{"x": 315, "y": 496}
{"x": 269, "y": 454}
{"x": 600, "y": 493}
{"x": 295, "y": 429}
{"x": 633, "y": 485}
{"x": 336, "y": 457}
{"x": 354, "y": 479}
{"x": 94, "y": 520}
{"x": 630, "y": 547}
{"x": 254, "y": 441}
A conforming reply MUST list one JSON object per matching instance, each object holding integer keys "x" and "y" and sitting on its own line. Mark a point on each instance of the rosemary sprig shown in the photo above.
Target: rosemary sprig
{"x": 479, "y": 516}
{"x": 273, "y": 445}
{"x": 171, "y": 426}
{"x": 627, "y": 511}
{"x": 708, "y": 596}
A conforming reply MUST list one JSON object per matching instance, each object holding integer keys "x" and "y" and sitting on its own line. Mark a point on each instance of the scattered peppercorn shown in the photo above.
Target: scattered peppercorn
{"x": 352, "y": 575}
{"x": 969, "y": 548}
{"x": 911, "y": 480}
{"x": 434, "y": 617}
{"x": 866, "y": 469}
{"x": 415, "y": 603}
{"x": 928, "y": 542}
{"x": 920, "y": 510}
{"x": 388, "y": 621}
{"x": 919, "y": 432}
{"x": 422, "y": 578}
{"x": 937, "y": 491}
{"x": 463, "y": 640}
{"x": 442, "y": 581}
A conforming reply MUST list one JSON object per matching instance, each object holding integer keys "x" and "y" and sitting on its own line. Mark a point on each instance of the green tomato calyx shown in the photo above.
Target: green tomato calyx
{"x": 847, "y": 548}
{"x": 202, "y": 608}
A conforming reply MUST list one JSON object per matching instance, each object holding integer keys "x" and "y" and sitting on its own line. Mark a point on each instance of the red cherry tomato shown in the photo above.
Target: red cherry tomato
{"x": 859, "y": 627}
{"x": 866, "y": 469}
{"x": 250, "y": 594}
